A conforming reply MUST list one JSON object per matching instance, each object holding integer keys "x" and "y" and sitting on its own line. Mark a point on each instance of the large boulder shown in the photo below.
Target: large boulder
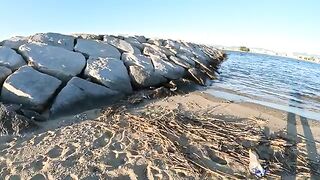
{"x": 30, "y": 88}
{"x": 167, "y": 69}
{"x": 157, "y": 42}
{"x": 141, "y": 39}
{"x": 153, "y": 50}
{"x": 187, "y": 59}
{"x": 80, "y": 95}
{"x": 143, "y": 78}
{"x": 137, "y": 60}
{"x": 141, "y": 70}
{"x": 10, "y": 58}
{"x": 4, "y": 73}
{"x": 54, "y": 61}
{"x": 110, "y": 72}
{"x": 134, "y": 42}
{"x": 180, "y": 62}
{"x": 54, "y": 39}
{"x": 121, "y": 45}
{"x": 15, "y": 42}
{"x": 95, "y": 48}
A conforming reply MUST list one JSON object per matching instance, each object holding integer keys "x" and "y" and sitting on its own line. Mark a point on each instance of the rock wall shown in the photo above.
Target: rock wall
{"x": 67, "y": 74}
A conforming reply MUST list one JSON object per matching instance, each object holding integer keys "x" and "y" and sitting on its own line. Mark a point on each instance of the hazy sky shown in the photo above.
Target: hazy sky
{"x": 283, "y": 25}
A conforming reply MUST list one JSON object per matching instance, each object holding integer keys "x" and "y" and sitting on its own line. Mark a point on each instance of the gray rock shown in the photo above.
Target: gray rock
{"x": 54, "y": 39}
{"x": 163, "y": 52}
{"x": 136, "y": 50}
{"x": 198, "y": 76}
{"x": 137, "y": 60}
{"x": 170, "y": 44}
{"x": 54, "y": 61}
{"x": 134, "y": 42}
{"x": 141, "y": 70}
{"x": 141, "y": 39}
{"x": 145, "y": 78}
{"x": 110, "y": 72}
{"x": 88, "y": 36}
{"x": 80, "y": 95}
{"x": 10, "y": 58}
{"x": 15, "y": 42}
{"x": 180, "y": 62}
{"x": 151, "y": 51}
{"x": 186, "y": 59}
{"x": 94, "y": 48}
{"x": 167, "y": 69}
{"x": 121, "y": 45}
{"x": 156, "y": 42}
{"x": 30, "y": 88}
{"x": 4, "y": 73}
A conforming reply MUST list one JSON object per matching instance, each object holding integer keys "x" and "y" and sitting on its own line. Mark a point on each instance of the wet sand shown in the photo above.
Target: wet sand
{"x": 173, "y": 137}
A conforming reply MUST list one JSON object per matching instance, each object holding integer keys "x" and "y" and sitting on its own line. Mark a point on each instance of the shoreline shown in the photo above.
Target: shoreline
{"x": 58, "y": 149}
{"x": 289, "y": 57}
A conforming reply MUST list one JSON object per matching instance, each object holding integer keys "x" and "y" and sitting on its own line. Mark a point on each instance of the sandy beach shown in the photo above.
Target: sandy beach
{"x": 182, "y": 136}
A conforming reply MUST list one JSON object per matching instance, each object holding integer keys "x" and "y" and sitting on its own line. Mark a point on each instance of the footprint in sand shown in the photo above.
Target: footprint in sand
{"x": 36, "y": 140}
{"x": 14, "y": 177}
{"x": 116, "y": 160}
{"x": 102, "y": 141}
{"x": 70, "y": 150}
{"x": 38, "y": 177}
{"x": 55, "y": 152}
{"x": 39, "y": 163}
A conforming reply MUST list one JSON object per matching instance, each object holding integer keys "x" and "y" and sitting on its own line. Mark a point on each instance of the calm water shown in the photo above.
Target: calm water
{"x": 278, "y": 82}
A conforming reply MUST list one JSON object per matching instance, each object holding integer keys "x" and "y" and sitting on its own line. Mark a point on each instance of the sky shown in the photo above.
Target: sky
{"x": 281, "y": 25}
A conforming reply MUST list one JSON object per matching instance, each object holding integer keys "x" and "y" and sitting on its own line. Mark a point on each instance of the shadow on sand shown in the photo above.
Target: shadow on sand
{"x": 292, "y": 152}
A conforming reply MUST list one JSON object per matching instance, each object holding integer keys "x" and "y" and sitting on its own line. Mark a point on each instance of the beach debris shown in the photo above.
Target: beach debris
{"x": 254, "y": 165}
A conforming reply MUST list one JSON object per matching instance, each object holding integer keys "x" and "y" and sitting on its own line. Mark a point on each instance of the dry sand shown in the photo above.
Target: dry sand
{"x": 191, "y": 136}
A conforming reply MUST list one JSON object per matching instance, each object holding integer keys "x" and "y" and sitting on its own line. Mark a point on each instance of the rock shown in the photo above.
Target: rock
{"x": 153, "y": 50}
{"x": 198, "y": 76}
{"x": 136, "y": 50}
{"x": 80, "y": 95}
{"x": 30, "y": 88}
{"x": 143, "y": 78}
{"x": 156, "y": 42}
{"x": 167, "y": 69}
{"x": 54, "y": 61}
{"x": 180, "y": 62}
{"x": 33, "y": 115}
{"x": 141, "y": 39}
{"x": 54, "y": 39}
{"x": 134, "y": 42}
{"x": 121, "y": 45}
{"x": 15, "y": 42}
{"x": 137, "y": 60}
{"x": 170, "y": 44}
{"x": 110, "y": 72}
{"x": 141, "y": 70}
{"x": 88, "y": 36}
{"x": 94, "y": 48}
{"x": 10, "y": 58}
{"x": 4, "y": 73}
{"x": 186, "y": 59}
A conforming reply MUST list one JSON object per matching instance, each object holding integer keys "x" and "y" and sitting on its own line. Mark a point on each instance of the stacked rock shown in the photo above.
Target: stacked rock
{"x": 67, "y": 74}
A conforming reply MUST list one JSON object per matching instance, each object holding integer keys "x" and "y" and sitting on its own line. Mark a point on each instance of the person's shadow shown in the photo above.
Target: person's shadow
{"x": 291, "y": 152}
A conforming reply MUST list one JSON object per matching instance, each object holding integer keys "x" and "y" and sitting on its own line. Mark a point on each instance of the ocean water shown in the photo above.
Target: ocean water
{"x": 279, "y": 82}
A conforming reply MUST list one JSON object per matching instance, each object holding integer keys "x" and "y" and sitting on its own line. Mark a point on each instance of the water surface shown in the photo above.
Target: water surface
{"x": 278, "y": 82}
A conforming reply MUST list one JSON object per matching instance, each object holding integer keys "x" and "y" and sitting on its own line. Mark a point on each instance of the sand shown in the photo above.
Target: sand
{"x": 142, "y": 141}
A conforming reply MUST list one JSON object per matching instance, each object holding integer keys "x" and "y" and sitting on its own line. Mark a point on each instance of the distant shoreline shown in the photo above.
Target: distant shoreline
{"x": 290, "y": 57}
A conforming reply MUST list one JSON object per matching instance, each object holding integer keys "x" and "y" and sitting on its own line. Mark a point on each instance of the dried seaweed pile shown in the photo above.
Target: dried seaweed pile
{"x": 205, "y": 146}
